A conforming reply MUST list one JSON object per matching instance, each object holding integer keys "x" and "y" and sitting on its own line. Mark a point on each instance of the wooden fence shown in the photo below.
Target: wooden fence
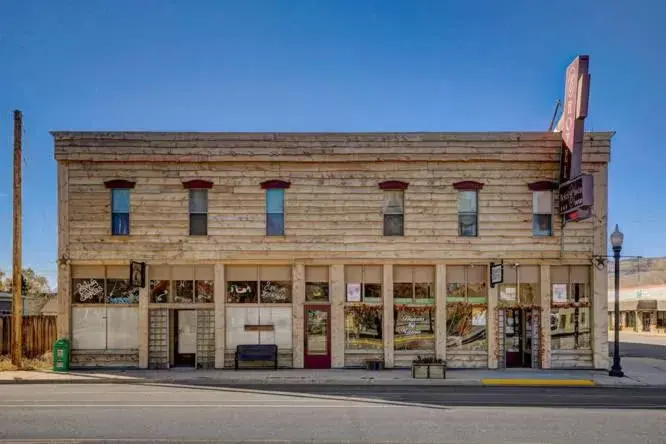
{"x": 39, "y": 334}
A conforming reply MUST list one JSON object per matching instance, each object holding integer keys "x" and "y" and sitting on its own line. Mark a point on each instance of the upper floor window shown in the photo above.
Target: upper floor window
{"x": 468, "y": 215}
{"x": 120, "y": 206}
{"x": 394, "y": 207}
{"x": 198, "y": 206}
{"x": 275, "y": 206}
{"x": 542, "y": 208}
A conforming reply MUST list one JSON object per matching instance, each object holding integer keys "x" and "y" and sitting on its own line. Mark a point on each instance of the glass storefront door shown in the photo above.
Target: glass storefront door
{"x": 317, "y": 336}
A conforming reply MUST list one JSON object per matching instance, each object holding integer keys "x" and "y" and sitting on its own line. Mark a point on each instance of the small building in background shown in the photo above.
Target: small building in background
{"x": 640, "y": 315}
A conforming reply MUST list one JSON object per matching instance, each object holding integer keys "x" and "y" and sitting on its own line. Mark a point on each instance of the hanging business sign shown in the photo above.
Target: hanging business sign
{"x": 496, "y": 274}
{"x": 137, "y": 274}
{"x": 577, "y": 94}
{"x": 577, "y": 194}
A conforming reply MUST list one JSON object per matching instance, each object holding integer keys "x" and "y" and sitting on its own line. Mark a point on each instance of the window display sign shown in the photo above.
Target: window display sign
{"x": 508, "y": 294}
{"x": 353, "y": 292}
{"x": 559, "y": 293}
{"x": 479, "y": 316}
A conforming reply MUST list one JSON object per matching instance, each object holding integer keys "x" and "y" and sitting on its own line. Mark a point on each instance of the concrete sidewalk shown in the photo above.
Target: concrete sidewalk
{"x": 640, "y": 372}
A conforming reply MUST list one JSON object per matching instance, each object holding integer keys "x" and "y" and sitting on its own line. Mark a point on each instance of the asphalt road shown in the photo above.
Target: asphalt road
{"x": 328, "y": 413}
{"x": 639, "y": 346}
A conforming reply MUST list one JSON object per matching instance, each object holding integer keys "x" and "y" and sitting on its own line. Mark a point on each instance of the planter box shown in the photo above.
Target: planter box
{"x": 429, "y": 371}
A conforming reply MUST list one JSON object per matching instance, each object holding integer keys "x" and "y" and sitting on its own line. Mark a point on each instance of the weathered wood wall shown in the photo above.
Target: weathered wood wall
{"x": 333, "y": 210}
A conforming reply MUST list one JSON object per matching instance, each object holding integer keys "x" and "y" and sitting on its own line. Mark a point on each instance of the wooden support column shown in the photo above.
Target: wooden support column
{"x": 387, "y": 318}
{"x": 298, "y": 323}
{"x": 220, "y": 315}
{"x": 64, "y": 268}
{"x": 144, "y": 321}
{"x": 545, "y": 289}
{"x": 338, "y": 296}
{"x": 491, "y": 325}
{"x": 440, "y": 314}
{"x": 599, "y": 276}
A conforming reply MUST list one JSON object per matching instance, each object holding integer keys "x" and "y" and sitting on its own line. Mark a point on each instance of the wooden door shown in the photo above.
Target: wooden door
{"x": 317, "y": 336}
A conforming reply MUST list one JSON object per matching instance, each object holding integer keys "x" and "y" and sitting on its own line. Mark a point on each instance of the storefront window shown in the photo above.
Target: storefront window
{"x": 520, "y": 287}
{"x": 413, "y": 285}
{"x": 118, "y": 291}
{"x": 273, "y": 292}
{"x": 184, "y": 292}
{"x": 364, "y": 283}
{"x": 242, "y": 292}
{"x": 466, "y": 308}
{"x": 570, "y": 327}
{"x": 88, "y": 291}
{"x": 363, "y": 327}
{"x": 160, "y": 292}
{"x": 414, "y": 328}
{"x": 205, "y": 291}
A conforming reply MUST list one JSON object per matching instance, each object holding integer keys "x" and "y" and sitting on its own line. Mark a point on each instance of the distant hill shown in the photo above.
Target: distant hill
{"x": 644, "y": 272}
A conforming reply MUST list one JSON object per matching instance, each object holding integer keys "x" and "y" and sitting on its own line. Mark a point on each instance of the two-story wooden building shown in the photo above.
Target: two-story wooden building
{"x": 337, "y": 247}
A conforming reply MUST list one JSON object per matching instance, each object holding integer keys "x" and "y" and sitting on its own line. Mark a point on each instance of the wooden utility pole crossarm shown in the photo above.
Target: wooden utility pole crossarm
{"x": 17, "y": 287}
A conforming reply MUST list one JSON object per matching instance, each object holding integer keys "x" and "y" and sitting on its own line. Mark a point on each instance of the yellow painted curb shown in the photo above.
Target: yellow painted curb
{"x": 540, "y": 382}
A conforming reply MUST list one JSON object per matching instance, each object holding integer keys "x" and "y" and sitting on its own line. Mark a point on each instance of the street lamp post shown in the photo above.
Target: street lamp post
{"x": 616, "y": 241}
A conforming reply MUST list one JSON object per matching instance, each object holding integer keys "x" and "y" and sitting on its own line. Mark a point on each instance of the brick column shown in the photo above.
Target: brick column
{"x": 491, "y": 326}
{"x": 144, "y": 321}
{"x": 545, "y": 289}
{"x": 387, "y": 318}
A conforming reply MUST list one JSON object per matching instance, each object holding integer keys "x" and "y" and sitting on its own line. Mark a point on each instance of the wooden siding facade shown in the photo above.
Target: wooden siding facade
{"x": 333, "y": 209}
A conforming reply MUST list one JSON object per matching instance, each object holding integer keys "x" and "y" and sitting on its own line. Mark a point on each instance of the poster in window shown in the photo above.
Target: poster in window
{"x": 508, "y": 294}
{"x": 479, "y": 316}
{"x": 353, "y": 292}
{"x": 559, "y": 293}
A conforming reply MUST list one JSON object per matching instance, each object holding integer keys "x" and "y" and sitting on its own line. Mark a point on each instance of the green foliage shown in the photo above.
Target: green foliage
{"x": 31, "y": 283}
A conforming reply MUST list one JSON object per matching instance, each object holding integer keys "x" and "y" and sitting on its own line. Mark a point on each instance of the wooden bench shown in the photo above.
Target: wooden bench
{"x": 256, "y": 352}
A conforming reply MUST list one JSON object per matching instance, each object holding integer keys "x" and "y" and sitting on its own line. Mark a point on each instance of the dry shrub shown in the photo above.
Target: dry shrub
{"x": 44, "y": 362}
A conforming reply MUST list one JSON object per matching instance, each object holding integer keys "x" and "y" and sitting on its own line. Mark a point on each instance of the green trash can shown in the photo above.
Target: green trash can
{"x": 61, "y": 355}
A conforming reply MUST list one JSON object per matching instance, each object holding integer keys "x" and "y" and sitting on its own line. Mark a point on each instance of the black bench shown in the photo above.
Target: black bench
{"x": 256, "y": 352}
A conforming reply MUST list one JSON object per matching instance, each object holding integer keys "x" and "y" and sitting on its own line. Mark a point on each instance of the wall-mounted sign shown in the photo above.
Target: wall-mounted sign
{"x": 577, "y": 194}
{"x": 353, "y": 292}
{"x": 137, "y": 274}
{"x": 255, "y": 327}
{"x": 496, "y": 274}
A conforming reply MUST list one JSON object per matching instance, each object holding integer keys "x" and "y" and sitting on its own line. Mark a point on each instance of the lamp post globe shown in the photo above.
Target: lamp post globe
{"x": 616, "y": 239}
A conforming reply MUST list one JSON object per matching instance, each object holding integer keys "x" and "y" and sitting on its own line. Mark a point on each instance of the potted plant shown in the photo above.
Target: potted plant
{"x": 428, "y": 367}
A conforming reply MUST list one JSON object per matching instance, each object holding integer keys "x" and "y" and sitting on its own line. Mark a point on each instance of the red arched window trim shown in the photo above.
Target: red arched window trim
{"x": 119, "y": 183}
{"x": 542, "y": 185}
{"x": 468, "y": 185}
{"x": 198, "y": 184}
{"x": 393, "y": 185}
{"x": 281, "y": 184}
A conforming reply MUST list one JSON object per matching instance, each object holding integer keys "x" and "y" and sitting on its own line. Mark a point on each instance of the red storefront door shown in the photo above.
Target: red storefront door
{"x": 317, "y": 336}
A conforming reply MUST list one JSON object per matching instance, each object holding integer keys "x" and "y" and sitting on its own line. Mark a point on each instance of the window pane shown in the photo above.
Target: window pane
{"x": 372, "y": 292}
{"x": 274, "y": 224}
{"x": 120, "y": 224}
{"x": 88, "y": 291}
{"x": 542, "y": 224}
{"x": 466, "y": 327}
{"x": 275, "y": 292}
{"x": 120, "y": 200}
{"x": 394, "y": 202}
{"x": 423, "y": 291}
{"x": 455, "y": 291}
{"x": 159, "y": 292}
{"x": 529, "y": 294}
{"x": 393, "y": 225}
{"x": 363, "y": 328}
{"x": 542, "y": 202}
{"x": 198, "y": 201}
{"x": 242, "y": 292}
{"x": 570, "y": 328}
{"x": 118, "y": 291}
{"x": 414, "y": 329}
{"x": 205, "y": 291}
{"x": 316, "y": 291}
{"x": 403, "y": 291}
{"x": 184, "y": 292}
{"x": 467, "y": 202}
{"x": 467, "y": 225}
{"x": 274, "y": 200}
{"x": 198, "y": 224}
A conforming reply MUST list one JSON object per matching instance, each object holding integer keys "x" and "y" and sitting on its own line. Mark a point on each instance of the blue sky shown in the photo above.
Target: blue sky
{"x": 328, "y": 66}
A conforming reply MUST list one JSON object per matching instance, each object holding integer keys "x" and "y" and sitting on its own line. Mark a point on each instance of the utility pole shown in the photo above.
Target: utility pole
{"x": 17, "y": 274}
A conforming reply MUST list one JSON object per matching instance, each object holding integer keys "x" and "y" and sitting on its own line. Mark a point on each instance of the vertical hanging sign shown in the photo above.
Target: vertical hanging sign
{"x": 577, "y": 94}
